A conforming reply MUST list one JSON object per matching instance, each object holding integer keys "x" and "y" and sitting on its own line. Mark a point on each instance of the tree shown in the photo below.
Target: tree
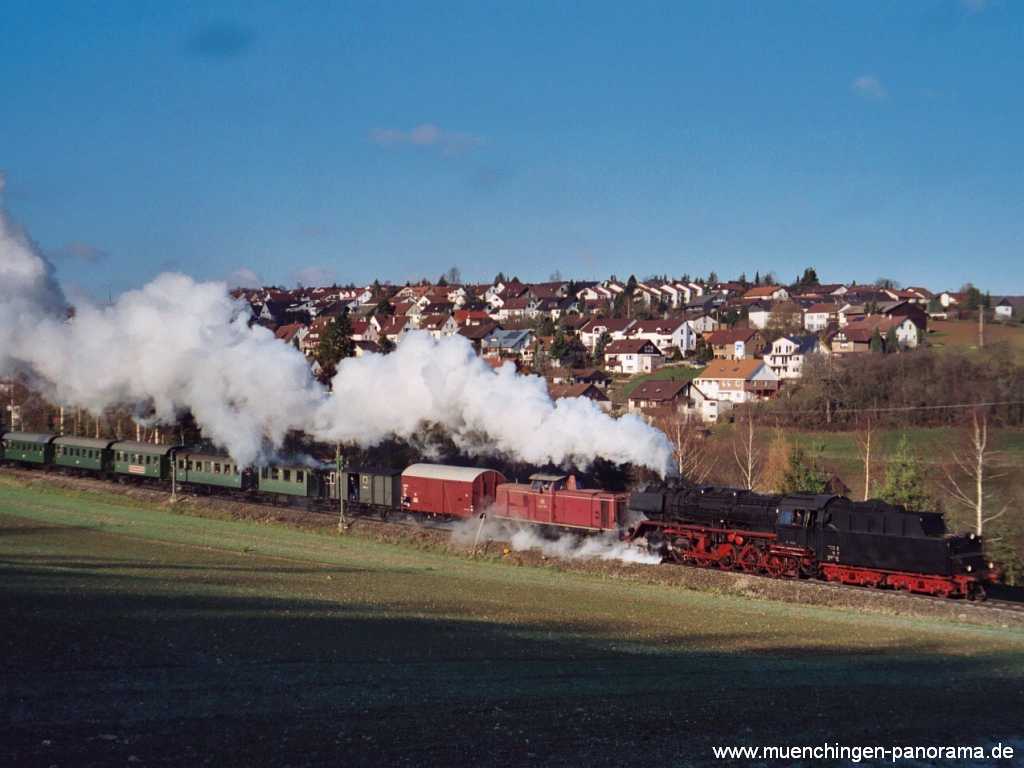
{"x": 864, "y": 437}
{"x": 712, "y": 277}
{"x": 745, "y": 449}
{"x": 386, "y": 345}
{"x": 500, "y": 278}
{"x": 803, "y": 475}
{"x": 892, "y": 343}
{"x": 876, "y": 344}
{"x": 757, "y": 278}
{"x": 555, "y": 277}
{"x": 904, "y": 480}
{"x": 453, "y": 276}
{"x": 887, "y": 283}
{"x": 574, "y": 354}
{"x": 558, "y": 346}
{"x": 335, "y": 344}
{"x": 973, "y": 296}
{"x": 603, "y": 341}
{"x": 442, "y": 282}
{"x": 689, "y": 445}
{"x": 809, "y": 277}
{"x": 384, "y": 308}
{"x": 974, "y": 462}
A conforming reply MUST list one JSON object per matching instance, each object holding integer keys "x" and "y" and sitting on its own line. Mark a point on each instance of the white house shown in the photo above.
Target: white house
{"x": 759, "y": 315}
{"x": 632, "y": 356}
{"x": 818, "y": 316}
{"x": 737, "y": 381}
{"x": 704, "y": 323}
{"x": 667, "y": 335}
{"x": 789, "y": 353}
{"x": 596, "y": 327}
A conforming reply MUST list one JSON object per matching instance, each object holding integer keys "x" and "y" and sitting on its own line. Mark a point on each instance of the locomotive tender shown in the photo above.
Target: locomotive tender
{"x": 828, "y": 537}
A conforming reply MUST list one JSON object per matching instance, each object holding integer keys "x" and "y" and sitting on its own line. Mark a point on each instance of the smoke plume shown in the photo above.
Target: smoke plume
{"x": 177, "y": 345}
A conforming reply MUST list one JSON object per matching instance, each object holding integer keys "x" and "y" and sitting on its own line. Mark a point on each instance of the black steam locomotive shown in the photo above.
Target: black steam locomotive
{"x": 828, "y": 537}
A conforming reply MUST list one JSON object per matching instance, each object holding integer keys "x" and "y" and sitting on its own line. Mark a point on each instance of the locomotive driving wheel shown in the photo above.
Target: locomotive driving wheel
{"x": 977, "y": 592}
{"x": 727, "y": 559}
{"x": 748, "y": 558}
{"x": 776, "y": 566}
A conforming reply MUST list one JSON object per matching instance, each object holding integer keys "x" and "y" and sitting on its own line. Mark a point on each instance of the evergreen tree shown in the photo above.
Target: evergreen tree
{"x": 384, "y": 308}
{"x": 802, "y": 474}
{"x": 892, "y": 343}
{"x": 876, "y": 344}
{"x": 603, "y": 341}
{"x": 558, "y": 347}
{"x": 809, "y": 277}
{"x": 442, "y": 282}
{"x": 904, "y": 480}
{"x": 500, "y": 278}
{"x": 335, "y": 344}
{"x": 757, "y": 278}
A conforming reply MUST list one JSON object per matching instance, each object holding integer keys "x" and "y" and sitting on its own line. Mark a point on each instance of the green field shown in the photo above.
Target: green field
{"x": 133, "y": 635}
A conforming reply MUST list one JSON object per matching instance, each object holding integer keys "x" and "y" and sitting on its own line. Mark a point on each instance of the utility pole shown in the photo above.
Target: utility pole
{"x": 339, "y": 466}
{"x": 981, "y": 326}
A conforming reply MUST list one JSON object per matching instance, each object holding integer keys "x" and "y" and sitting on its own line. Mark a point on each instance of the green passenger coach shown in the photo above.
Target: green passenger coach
{"x": 82, "y": 453}
{"x": 210, "y": 469}
{"x": 28, "y": 447}
{"x": 301, "y": 481}
{"x": 142, "y": 459}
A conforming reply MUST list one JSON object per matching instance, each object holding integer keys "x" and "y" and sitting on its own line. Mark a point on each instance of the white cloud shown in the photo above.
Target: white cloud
{"x": 313, "y": 277}
{"x": 869, "y": 87}
{"x": 243, "y": 277}
{"x": 427, "y": 135}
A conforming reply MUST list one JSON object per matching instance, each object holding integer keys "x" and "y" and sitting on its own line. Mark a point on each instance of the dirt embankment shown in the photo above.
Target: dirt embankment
{"x": 1006, "y": 613}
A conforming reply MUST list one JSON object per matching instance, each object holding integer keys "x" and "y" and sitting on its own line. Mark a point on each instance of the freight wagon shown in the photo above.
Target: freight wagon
{"x": 435, "y": 489}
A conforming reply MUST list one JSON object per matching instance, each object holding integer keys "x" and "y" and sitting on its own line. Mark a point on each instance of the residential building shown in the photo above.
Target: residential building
{"x": 663, "y": 394}
{"x": 818, "y": 317}
{"x": 737, "y": 381}
{"x": 668, "y": 335}
{"x": 789, "y": 353}
{"x": 588, "y": 391}
{"x": 632, "y": 356}
{"x": 766, "y": 293}
{"x": 735, "y": 343}
{"x": 593, "y": 329}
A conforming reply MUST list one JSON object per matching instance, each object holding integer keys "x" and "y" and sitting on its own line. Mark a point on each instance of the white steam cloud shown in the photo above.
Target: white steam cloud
{"x": 178, "y": 345}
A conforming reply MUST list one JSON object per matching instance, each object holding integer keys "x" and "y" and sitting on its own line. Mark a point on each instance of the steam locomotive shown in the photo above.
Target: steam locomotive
{"x": 827, "y": 537}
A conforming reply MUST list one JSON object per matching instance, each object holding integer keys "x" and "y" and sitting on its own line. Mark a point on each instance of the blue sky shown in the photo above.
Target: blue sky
{"x": 324, "y": 140}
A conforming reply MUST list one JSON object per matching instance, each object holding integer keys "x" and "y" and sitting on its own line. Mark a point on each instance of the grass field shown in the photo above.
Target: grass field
{"x": 135, "y": 635}
{"x": 963, "y": 334}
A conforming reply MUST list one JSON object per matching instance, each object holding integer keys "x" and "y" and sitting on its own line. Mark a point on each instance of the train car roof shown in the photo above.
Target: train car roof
{"x": 131, "y": 445}
{"x": 445, "y": 472}
{"x": 386, "y": 471}
{"x": 84, "y": 442}
{"x": 29, "y": 437}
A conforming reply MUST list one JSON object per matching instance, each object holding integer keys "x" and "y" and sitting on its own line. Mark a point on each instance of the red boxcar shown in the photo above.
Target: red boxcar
{"x": 555, "y": 500}
{"x": 436, "y": 489}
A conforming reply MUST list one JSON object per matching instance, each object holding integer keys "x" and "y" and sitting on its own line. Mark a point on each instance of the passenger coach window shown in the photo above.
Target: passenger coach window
{"x": 298, "y": 476}
{"x": 287, "y": 475}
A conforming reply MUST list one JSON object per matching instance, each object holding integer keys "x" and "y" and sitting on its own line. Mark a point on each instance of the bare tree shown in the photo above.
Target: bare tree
{"x": 864, "y": 436}
{"x": 745, "y": 449}
{"x": 689, "y": 449}
{"x": 974, "y": 462}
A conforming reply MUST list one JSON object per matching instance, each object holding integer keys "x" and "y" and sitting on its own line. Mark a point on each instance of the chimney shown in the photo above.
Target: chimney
{"x": 570, "y": 483}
